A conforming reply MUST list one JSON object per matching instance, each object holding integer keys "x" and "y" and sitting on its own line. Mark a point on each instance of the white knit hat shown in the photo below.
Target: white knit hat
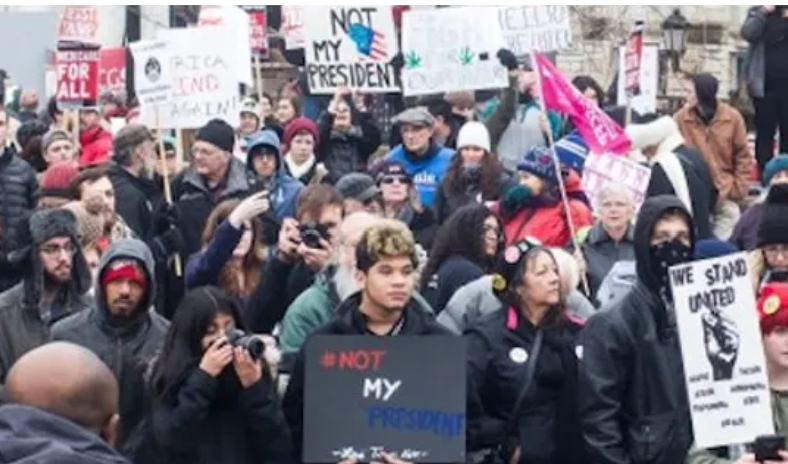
{"x": 473, "y": 134}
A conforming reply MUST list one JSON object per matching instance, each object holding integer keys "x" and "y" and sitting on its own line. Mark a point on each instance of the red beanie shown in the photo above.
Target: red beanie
{"x": 300, "y": 125}
{"x": 56, "y": 180}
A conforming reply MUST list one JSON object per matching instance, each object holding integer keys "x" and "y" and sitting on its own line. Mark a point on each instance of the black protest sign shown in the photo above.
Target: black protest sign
{"x": 369, "y": 395}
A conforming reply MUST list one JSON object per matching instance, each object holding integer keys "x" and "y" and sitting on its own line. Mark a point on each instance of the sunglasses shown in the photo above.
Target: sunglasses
{"x": 388, "y": 180}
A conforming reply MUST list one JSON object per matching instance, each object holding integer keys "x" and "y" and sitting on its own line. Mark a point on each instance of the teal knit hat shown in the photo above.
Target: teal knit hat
{"x": 775, "y": 165}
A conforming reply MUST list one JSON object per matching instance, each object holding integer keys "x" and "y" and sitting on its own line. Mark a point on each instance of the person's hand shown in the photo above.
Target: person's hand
{"x": 249, "y": 371}
{"x": 316, "y": 258}
{"x": 172, "y": 242}
{"x": 339, "y": 96}
{"x": 289, "y": 240}
{"x": 507, "y": 59}
{"x": 581, "y": 262}
{"x": 721, "y": 338}
{"x": 359, "y": 101}
{"x": 249, "y": 209}
{"x": 389, "y": 459}
{"x": 515, "y": 456}
{"x": 167, "y": 216}
{"x": 217, "y": 357}
{"x": 544, "y": 123}
{"x": 768, "y": 8}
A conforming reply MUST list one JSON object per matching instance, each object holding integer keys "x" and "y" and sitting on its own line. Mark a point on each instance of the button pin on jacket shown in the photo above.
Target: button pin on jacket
{"x": 518, "y": 355}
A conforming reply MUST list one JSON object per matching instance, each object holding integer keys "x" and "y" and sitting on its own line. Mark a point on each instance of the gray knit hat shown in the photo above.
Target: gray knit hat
{"x": 358, "y": 186}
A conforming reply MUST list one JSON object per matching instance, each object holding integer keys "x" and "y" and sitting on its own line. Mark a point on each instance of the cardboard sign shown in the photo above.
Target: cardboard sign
{"x": 451, "y": 49}
{"x": 112, "y": 69}
{"x": 153, "y": 79}
{"x": 722, "y": 351}
{"x": 77, "y": 76}
{"x": 237, "y": 21}
{"x": 600, "y": 171}
{"x": 646, "y": 101}
{"x": 543, "y": 28}
{"x": 293, "y": 26}
{"x": 204, "y": 80}
{"x": 350, "y": 47}
{"x": 79, "y": 25}
{"x": 369, "y": 395}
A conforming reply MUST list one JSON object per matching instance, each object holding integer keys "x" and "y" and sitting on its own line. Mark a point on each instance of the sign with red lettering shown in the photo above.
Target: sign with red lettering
{"x": 258, "y": 34}
{"x": 238, "y": 22}
{"x": 77, "y": 76}
{"x": 112, "y": 69}
{"x": 367, "y": 395}
{"x": 79, "y": 25}
{"x": 632, "y": 59}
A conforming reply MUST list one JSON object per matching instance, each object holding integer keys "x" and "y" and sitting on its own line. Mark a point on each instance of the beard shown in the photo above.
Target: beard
{"x": 345, "y": 282}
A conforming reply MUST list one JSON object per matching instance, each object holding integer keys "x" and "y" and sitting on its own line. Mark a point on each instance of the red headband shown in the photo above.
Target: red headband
{"x": 124, "y": 270}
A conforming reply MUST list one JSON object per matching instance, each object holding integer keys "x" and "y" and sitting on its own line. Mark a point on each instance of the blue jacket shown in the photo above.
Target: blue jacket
{"x": 285, "y": 189}
{"x": 205, "y": 266}
{"x": 426, "y": 171}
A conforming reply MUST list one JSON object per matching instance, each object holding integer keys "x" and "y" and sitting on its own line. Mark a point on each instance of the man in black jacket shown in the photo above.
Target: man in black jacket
{"x": 18, "y": 186}
{"x": 386, "y": 260}
{"x": 632, "y": 397}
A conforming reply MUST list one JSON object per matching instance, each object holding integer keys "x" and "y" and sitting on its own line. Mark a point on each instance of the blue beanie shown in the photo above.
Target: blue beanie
{"x": 713, "y": 248}
{"x": 539, "y": 162}
{"x": 775, "y": 165}
{"x": 572, "y": 151}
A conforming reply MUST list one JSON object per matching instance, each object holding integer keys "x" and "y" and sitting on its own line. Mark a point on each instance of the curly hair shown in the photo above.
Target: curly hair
{"x": 455, "y": 184}
{"x": 387, "y": 238}
{"x": 253, "y": 262}
{"x": 461, "y": 235}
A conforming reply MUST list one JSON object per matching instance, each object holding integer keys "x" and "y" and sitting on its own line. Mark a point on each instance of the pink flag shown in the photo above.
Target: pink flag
{"x": 600, "y": 132}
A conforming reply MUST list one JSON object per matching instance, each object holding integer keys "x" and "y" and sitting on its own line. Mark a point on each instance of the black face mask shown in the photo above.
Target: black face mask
{"x": 666, "y": 255}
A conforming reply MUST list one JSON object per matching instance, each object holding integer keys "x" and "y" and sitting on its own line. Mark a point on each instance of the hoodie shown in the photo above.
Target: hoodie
{"x": 125, "y": 349}
{"x": 30, "y": 436}
{"x": 426, "y": 171}
{"x": 284, "y": 189}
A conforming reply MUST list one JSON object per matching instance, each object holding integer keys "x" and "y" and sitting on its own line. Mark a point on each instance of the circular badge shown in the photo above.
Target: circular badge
{"x": 771, "y": 305}
{"x": 498, "y": 282}
{"x": 512, "y": 255}
{"x": 518, "y": 355}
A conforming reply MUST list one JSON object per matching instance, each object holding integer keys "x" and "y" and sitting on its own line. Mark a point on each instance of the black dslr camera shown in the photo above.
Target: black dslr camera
{"x": 311, "y": 234}
{"x": 252, "y": 344}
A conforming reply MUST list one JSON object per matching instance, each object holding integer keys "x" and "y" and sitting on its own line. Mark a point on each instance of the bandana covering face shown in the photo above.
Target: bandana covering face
{"x": 666, "y": 255}
{"x": 124, "y": 269}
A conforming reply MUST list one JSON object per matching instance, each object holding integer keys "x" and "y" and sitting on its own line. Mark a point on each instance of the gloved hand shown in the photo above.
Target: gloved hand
{"x": 397, "y": 62}
{"x": 171, "y": 242}
{"x": 166, "y": 217}
{"x": 507, "y": 59}
{"x": 515, "y": 199}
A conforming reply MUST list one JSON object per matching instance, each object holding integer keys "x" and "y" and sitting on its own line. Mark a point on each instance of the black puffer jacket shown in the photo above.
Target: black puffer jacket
{"x": 633, "y": 399}
{"x": 18, "y": 186}
{"x": 137, "y": 197}
{"x": 346, "y": 152}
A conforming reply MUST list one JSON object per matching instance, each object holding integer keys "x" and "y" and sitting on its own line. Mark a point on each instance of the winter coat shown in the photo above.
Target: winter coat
{"x": 126, "y": 349}
{"x": 745, "y": 234}
{"x": 426, "y": 171}
{"x": 18, "y": 188}
{"x": 138, "y": 199}
{"x": 316, "y": 174}
{"x": 421, "y": 223}
{"x": 754, "y": 70}
{"x": 348, "y": 321}
{"x": 346, "y": 152}
{"x": 547, "y": 427}
{"x": 95, "y": 146}
{"x": 29, "y": 435}
{"x": 204, "y": 267}
{"x": 601, "y": 253}
{"x": 193, "y": 424}
{"x": 446, "y": 203}
{"x": 449, "y": 277}
{"x": 633, "y": 400}
{"x": 284, "y": 189}
{"x": 723, "y": 145}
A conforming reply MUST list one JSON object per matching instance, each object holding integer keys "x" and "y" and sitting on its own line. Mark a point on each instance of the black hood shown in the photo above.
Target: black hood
{"x": 651, "y": 211}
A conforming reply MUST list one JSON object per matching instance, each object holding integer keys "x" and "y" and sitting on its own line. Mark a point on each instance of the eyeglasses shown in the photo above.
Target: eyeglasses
{"x": 56, "y": 250}
{"x": 388, "y": 180}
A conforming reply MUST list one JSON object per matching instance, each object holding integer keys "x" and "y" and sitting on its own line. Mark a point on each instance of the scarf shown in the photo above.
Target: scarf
{"x": 298, "y": 171}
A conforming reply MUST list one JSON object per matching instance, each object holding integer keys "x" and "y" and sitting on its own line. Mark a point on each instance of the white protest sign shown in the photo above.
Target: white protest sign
{"x": 543, "y": 28}
{"x": 293, "y": 26}
{"x": 349, "y": 46}
{"x": 238, "y": 21}
{"x": 205, "y": 80}
{"x": 600, "y": 171}
{"x": 451, "y": 49}
{"x": 646, "y": 102}
{"x": 152, "y": 71}
{"x": 724, "y": 365}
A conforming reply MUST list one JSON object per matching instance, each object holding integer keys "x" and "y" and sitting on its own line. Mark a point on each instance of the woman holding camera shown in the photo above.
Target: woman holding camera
{"x": 213, "y": 400}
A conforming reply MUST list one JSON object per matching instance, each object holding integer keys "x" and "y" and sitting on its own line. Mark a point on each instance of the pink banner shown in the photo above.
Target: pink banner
{"x": 599, "y": 131}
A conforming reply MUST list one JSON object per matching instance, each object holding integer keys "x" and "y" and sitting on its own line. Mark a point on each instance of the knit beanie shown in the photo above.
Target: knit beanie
{"x": 539, "y": 162}
{"x": 89, "y": 223}
{"x": 713, "y": 248}
{"x": 249, "y": 106}
{"x": 300, "y": 125}
{"x": 54, "y": 135}
{"x": 56, "y": 180}
{"x": 775, "y": 165}
{"x": 218, "y": 133}
{"x": 357, "y": 186}
{"x": 473, "y": 134}
{"x": 774, "y": 227}
{"x": 47, "y": 224}
{"x": 389, "y": 168}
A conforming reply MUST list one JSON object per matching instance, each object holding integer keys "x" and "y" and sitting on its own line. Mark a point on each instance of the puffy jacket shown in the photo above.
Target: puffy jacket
{"x": 347, "y": 151}
{"x": 96, "y": 146}
{"x": 633, "y": 400}
{"x": 18, "y": 187}
{"x": 426, "y": 171}
{"x": 547, "y": 426}
{"x": 138, "y": 199}
{"x": 125, "y": 349}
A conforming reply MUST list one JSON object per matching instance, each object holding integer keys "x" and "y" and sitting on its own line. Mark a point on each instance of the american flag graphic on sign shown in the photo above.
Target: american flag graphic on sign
{"x": 371, "y": 44}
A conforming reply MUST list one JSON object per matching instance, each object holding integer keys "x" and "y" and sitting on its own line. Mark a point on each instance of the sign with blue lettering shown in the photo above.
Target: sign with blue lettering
{"x": 403, "y": 396}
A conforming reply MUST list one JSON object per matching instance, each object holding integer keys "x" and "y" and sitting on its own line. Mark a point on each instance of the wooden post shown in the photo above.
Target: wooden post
{"x": 167, "y": 191}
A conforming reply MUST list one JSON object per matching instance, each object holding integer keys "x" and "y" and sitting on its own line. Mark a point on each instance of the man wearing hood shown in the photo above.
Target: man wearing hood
{"x": 122, "y": 329}
{"x": 56, "y": 278}
{"x": 717, "y": 131}
{"x": 265, "y": 161}
{"x": 632, "y": 398}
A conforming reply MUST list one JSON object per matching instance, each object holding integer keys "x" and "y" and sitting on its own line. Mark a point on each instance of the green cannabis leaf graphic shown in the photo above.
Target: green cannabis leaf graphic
{"x": 466, "y": 56}
{"x": 412, "y": 60}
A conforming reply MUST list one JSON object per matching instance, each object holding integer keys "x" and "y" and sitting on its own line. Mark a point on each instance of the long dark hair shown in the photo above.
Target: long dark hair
{"x": 461, "y": 235}
{"x": 183, "y": 344}
{"x": 454, "y": 182}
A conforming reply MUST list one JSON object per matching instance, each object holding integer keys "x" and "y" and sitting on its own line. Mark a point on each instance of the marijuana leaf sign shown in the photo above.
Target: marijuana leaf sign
{"x": 412, "y": 60}
{"x": 466, "y": 56}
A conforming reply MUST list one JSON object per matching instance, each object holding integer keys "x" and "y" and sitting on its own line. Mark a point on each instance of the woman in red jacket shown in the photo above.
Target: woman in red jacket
{"x": 534, "y": 208}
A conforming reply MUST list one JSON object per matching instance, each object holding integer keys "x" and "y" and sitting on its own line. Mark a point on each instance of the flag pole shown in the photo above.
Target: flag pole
{"x": 165, "y": 173}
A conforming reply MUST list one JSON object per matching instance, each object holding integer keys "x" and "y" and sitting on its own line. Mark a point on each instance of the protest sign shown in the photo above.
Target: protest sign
{"x": 152, "y": 71}
{"x": 112, "y": 70}
{"x": 79, "y": 26}
{"x": 646, "y": 101}
{"x": 258, "y": 28}
{"x": 77, "y": 76}
{"x": 204, "y": 79}
{"x": 632, "y": 59}
{"x": 721, "y": 347}
{"x": 542, "y": 28}
{"x": 401, "y": 395}
{"x": 293, "y": 26}
{"x": 350, "y": 47}
{"x": 451, "y": 49}
{"x": 237, "y": 21}
{"x": 600, "y": 171}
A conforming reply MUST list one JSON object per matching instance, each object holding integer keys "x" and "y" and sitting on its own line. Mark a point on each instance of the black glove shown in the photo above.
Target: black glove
{"x": 397, "y": 62}
{"x": 166, "y": 217}
{"x": 507, "y": 59}
{"x": 171, "y": 242}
